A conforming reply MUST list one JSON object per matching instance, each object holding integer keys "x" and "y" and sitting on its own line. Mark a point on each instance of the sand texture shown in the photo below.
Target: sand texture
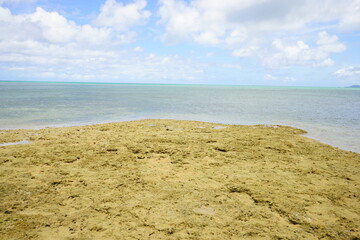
{"x": 167, "y": 179}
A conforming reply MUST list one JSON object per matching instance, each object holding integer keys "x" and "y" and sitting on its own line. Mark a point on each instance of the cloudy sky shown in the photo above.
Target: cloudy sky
{"x": 244, "y": 42}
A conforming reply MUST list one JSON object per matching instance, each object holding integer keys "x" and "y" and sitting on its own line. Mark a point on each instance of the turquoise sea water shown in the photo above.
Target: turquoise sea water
{"x": 331, "y": 115}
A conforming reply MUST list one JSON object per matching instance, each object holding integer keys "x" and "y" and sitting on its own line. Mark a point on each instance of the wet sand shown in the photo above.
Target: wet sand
{"x": 167, "y": 179}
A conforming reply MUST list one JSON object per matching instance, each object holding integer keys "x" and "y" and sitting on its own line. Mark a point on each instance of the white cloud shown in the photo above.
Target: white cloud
{"x": 270, "y": 77}
{"x": 245, "y": 51}
{"x": 47, "y": 45}
{"x": 326, "y": 63}
{"x": 67, "y": 62}
{"x": 181, "y": 20}
{"x": 207, "y": 38}
{"x": 210, "y": 54}
{"x": 231, "y": 65}
{"x": 138, "y": 49}
{"x": 351, "y": 20}
{"x": 329, "y": 44}
{"x": 55, "y": 28}
{"x": 289, "y": 79}
{"x": 245, "y": 27}
{"x": 236, "y": 38}
{"x": 121, "y": 17}
{"x": 96, "y": 36}
{"x": 51, "y": 27}
{"x": 278, "y": 32}
{"x": 17, "y": 2}
{"x": 351, "y": 71}
{"x": 224, "y": 19}
{"x": 302, "y": 53}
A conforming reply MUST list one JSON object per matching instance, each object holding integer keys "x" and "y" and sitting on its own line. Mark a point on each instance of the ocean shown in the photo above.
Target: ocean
{"x": 330, "y": 115}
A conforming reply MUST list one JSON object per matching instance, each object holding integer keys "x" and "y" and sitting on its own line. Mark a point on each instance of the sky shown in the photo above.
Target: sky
{"x": 240, "y": 42}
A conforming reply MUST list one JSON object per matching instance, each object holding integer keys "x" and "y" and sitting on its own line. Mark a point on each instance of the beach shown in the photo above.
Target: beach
{"x": 170, "y": 179}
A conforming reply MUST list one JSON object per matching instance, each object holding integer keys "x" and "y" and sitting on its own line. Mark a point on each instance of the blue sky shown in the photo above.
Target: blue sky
{"x": 242, "y": 42}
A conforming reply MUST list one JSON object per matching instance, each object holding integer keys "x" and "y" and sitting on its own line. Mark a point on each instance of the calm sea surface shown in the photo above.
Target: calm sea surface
{"x": 331, "y": 115}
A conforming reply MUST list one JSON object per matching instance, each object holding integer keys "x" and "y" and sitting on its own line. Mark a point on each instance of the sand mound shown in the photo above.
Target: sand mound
{"x": 166, "y": 179}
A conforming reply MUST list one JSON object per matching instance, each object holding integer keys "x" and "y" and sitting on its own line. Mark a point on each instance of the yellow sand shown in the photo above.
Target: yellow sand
{"x": 167, "y": 179}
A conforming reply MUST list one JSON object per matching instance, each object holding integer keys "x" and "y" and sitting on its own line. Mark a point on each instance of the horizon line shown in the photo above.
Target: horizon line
{"x": 155, "y": 83}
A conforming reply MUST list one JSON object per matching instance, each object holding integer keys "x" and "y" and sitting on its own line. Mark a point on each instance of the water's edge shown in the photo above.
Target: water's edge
{"x": 308, "y": 133}
{"x": 14, "y": 143}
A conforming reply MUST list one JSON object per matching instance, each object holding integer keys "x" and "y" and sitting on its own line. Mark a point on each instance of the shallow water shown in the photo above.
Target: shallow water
{"x": 14, "y": 143}
{"x": 331, "y": 115}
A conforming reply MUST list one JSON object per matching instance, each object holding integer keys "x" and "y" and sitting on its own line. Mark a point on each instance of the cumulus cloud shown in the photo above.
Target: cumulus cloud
{"x": 182, "y": 22}
{"x": 138, "y": 49}
{"x": 223, "y": 20}
{"x": 270, "y": 77}
{"x": 276, "y": 32}
{"x": 351, "y": 71}
{"x": 245, "y": 51}
{"x": 51, "y": 27}
{"x": 245, "y": 27}
{"x": 236, "y": 38}
{"x": 120, "y": 16}
{"x": 17, "y": 2}
{"x": 45, "y": 44}
{"x": 55, "y": 28}
{"x": 301, "y": 53}
{"x": 326, "y": 63}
